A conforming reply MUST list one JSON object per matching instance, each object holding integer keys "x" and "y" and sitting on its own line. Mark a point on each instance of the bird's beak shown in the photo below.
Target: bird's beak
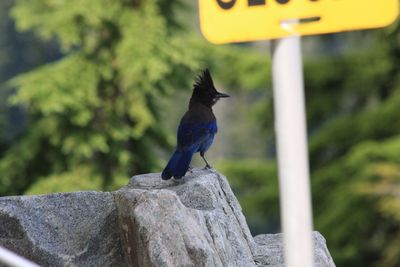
{"x": 221, "y": 95}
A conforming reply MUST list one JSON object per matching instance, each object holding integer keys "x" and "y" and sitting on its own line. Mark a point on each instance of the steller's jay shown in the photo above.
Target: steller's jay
{"x": 197, "y": 128}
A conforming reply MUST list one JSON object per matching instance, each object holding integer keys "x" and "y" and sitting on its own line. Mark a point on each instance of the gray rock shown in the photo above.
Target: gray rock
{"x": 196, "y": 221}
{"x": 269, "y": 251}
{"x": 71, "y": 229}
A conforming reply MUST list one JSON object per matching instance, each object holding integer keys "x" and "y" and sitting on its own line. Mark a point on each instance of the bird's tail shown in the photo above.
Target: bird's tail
{"x": 177, "y": 165}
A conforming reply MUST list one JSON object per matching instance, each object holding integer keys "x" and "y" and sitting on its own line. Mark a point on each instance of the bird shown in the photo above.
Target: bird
{"x": 197, "y": 127}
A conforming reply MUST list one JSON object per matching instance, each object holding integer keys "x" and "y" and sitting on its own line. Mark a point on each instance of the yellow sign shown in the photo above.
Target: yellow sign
{"x": 225, "y": 21}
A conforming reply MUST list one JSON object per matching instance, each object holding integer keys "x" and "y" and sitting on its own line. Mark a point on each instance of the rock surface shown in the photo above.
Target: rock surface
{"x": 195, "y": 222}
{"x": 269, "y": 251}
{"x": 71, "y": 229}
{"x": 150, "y": 222}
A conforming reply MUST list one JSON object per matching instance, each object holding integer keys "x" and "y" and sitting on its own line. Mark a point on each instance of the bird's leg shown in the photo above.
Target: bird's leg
{"x": 208, "y": 166}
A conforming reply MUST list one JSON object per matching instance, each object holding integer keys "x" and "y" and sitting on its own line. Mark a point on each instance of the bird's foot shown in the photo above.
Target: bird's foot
{"x": 178, "y": 181}
{"x": 207, "y": 167}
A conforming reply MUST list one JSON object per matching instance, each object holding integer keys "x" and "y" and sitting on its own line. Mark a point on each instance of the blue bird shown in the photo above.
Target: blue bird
{"x": 197, "y": 128}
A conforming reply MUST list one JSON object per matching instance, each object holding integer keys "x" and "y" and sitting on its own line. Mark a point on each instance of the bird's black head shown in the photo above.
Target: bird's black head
{"x": 204, "y": 91}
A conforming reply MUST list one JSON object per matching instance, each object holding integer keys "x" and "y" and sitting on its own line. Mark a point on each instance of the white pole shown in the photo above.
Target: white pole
{"x": 291, "y": 135}
{"x": 9, "y": 258}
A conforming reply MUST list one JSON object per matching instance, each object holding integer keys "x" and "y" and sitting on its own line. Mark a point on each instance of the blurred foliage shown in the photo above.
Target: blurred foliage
{"x": 95, "y": 108}
{"x": 355, "y": 185}
{"x": 255, "y": 184}
{"x": 67, "y": 182}
{"x": 18, "y": 53}
{"x": 385, "y": 188}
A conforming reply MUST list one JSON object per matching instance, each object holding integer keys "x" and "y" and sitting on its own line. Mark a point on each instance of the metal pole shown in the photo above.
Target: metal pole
{"x": 291, "y": 135}
{"x": 9, "y": 258}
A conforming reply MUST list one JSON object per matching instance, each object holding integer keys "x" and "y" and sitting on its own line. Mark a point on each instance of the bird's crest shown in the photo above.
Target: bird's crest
{"x": 204, "y": 81}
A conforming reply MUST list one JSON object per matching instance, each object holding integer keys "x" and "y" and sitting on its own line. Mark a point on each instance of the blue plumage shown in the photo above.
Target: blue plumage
{"x": 197, "y": 128}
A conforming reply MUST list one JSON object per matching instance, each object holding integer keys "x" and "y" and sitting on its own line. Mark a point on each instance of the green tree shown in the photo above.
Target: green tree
{"x": 96, "y": 111}
{"x": 18, "y": 53}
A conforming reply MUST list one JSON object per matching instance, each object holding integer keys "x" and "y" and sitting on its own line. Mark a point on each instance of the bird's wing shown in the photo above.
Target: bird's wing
{"x": 191, "y": 135}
